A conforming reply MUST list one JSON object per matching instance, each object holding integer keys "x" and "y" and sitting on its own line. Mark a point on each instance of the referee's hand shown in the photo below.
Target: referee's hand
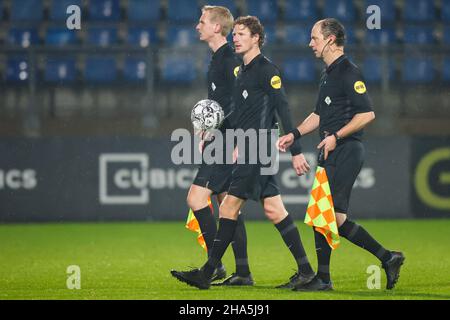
{"x": 300, "y": 164}
{"x": 285, "y": 142}
{"x": 328, "y": 144}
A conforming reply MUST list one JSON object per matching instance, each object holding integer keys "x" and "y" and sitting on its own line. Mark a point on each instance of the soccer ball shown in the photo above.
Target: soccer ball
{"x": 207, "y": 114}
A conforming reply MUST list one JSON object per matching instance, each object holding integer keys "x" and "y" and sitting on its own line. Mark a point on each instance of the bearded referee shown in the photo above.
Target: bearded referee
{"x": 259, "y": 95}
{"x": 213, "y": 27}
{"x": 343, "y": 109}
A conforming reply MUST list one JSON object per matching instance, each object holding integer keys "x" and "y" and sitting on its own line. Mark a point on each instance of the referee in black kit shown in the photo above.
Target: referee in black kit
{"x": 213, "y": 27}
{"x": 258, "y": 95}
{"x": 343, "y": 109}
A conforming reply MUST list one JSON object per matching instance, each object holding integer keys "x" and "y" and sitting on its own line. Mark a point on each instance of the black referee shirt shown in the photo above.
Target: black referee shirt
{"x": 222, "y": 73}
{"x": 342, "y": 94}
{"x": 259, "y": 94}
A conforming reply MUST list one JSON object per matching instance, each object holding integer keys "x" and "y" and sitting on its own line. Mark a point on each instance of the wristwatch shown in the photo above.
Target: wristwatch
{"x": 336, "y": 136}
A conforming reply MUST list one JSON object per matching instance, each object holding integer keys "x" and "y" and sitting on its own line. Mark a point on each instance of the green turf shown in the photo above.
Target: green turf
{"x": 132, "y": 261}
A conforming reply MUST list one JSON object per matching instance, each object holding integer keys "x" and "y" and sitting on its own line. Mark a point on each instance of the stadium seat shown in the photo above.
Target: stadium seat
{"x": 418, "y": 10}
{"x": 350, "y": 35}
{"x": 343, "y": 10}
{"x": 271, "y": 34}
{"x": 60, "y": 70}
{"x": 135, "y": 69}
{"x": 60, "y": 36}
{"x": 446, "y": 70}
{"x": 142, "y": 37}
{"x": 178, "y": 69}
{"x": 100, "y": 70}
{"x": 181, "y": 36}
{"x": 418, "y": 70}
{"x": 104, "y": 10}
{"x": 265, "y": 10}
{"x": 180, "y": 11}
{"x": 414, "y": 34}
{"x": 297, "y": 35}
{"x": 23, "y": 37}
{"x": 102, "y": 36}
{"x": 143, "y": 10}
{"x": 58, "y": 9}
{"x": 17, "y": 70}
{"x": 300, "y": 10}
{"x": 446, "y": 35}
{"x": 445, "y": 11}
{"x": 299, "y": 70}
{"x": 384, "y": 36}
{"x": 27, "y": 10}
{"x": 387, "y": 8}
{"x": 230, "y": 4}
{"x": 373, "y": 69}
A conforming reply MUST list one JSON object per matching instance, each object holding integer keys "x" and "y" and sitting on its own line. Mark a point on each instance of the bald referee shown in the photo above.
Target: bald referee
{"x": 343, "y": 109}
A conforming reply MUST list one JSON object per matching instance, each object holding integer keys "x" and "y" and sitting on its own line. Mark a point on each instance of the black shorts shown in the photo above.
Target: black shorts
{"x": 215, "y": 177}
{"x": 248, "y": 183}
{"x": 343, "y": 166}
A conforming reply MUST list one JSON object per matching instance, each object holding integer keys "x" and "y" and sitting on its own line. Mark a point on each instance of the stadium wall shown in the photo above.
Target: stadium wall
{"x": 133, "y": 178}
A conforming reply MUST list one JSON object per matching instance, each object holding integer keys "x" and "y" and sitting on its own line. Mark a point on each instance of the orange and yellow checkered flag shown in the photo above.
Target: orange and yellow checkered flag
{"x": 320, "y": 213}
{"x": 192, "y": 224}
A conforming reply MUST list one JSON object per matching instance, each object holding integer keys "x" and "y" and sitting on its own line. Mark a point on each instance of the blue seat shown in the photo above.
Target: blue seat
{"x": 142, "y": 37}
{"x": 58, "y": 9}
{"x": 27, "y": 10}
{"x": 104, "y": 10}
{"x": 384, "y": 36}
{"x": 300, "y": 10}
{"x": 446, "y": 37}
{"x": 135, "y": 69}
{"x": 350, "y": 35}
{"x": 230, "y": 4}
{"x": 23, "y": 37}
{"x": 181, "y": 36}
{"x": 143, "y": 10}
{"x": 178, "y": 69}
{"x": 60, "y": 36}
{"x": 102, "y": 36}
{"x": 446, "y": 70}
{"x": 299, "y": 70}
{"x": 445, "y": 11}
{"x": 100, "y": 70}
{"x": 265, "y": 10}
{"x": 343, "y": 10}
{"x": 183, "y": 11}
{"x": 60, "y": 70}
{"x": 374, "y": 70}
{"x": 17, "y": 70}
{"x": 271, "y": 34}
{"x": 297, "y": 35}
{"x": 419, "y": 10}
{"x": 414, "y": 34}
{"x": 387, "y": 8}
{"x": 418, "y": 70}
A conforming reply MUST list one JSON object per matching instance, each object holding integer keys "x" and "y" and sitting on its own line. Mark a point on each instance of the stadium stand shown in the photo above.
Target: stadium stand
{"x": 373, "y": 70}
{"x": 299, "y": 70}
{"x": 419, "y": 10}
{"x": 60, "y": 36}
{"x": 142, "y": 37}
{"x": 23, "y": 36}
{"x": 182, "y": 11}
{"x": 17, "y": 70}
{"x": 27, "y": 11}
{"x": 300, "y": 11}
{"x": 58, "y": 9}
{"x": 178, "y": 69}
{"x": 344, "y": 10}
{"x": 135, "y": 70}
{"x": 104, "y": 10}
{"x": 387, "y": 7}
{"x": 102, "y": 36}
{"x": 418, "y": 70}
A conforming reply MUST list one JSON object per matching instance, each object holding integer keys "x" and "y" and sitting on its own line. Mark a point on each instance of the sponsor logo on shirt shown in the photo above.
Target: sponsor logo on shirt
{"x": 360, "y": 87}
{"x": 275, "y": 82}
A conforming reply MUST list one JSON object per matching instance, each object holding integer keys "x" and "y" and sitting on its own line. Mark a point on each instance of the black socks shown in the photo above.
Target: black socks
{"x": 291, "y": 236}
{"x": 323, "y": 251}
{"x": 240, "y": 248}
{"x": 359, "y": 236}
{"x": 222, "y": 240}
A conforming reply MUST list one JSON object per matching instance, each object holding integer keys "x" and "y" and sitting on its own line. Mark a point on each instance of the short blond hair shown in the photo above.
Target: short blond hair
{"x": 222, "y": 16}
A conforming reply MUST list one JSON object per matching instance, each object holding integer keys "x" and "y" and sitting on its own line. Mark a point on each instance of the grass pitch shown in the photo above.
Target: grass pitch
{"x": 133, "y": 260}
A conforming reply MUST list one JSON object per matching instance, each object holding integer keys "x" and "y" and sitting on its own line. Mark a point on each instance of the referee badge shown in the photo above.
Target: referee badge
{"x": 360, "y": 87}
{"x": 236, "y": 71}
{"x": 275, "y": 82}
